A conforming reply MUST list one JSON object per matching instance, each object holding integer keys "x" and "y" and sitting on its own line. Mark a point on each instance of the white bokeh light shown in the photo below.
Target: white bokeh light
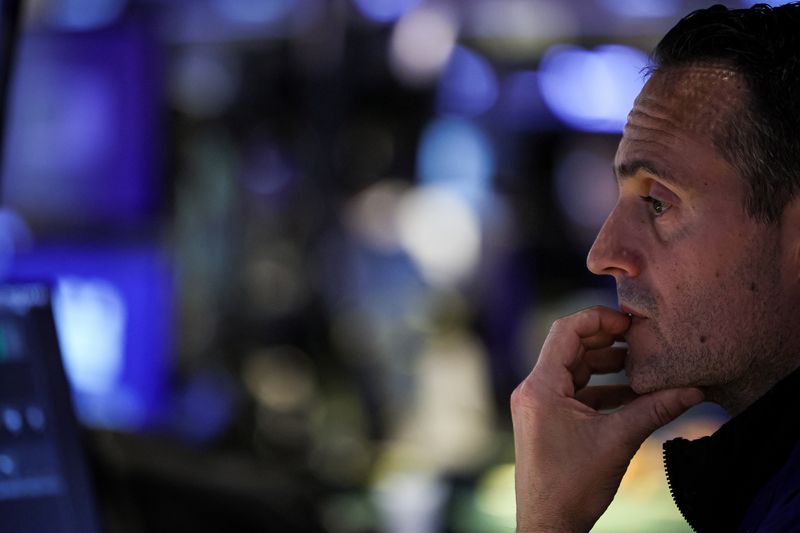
{"x": 91, "y": 317}
{"x": 372, "y": 215}
{"x": 441, "y": 233}
{"x": 421, "y": 44}
{"x": 525, "y": 20}
{"x": 204, "y": 82}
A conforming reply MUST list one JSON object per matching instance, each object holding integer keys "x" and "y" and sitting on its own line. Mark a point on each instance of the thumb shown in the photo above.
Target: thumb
{"x": 648, "y": 412}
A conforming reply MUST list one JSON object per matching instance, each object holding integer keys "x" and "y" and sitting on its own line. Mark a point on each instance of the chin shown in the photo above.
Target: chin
{"x": 642, "y": 383}
{"x": 644, "y": 378}
{"x": 650, "y": 379}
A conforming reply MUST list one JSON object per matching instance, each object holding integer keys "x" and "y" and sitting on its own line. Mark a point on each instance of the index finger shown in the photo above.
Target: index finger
{"x": 571, "y": 336}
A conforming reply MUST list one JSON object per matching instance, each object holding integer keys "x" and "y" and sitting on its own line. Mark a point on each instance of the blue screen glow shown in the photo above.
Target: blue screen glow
{"x": 384, "y": 10}
{"x": 456, "y": 154}
{"x": 254, "y": 11}
{"x": 639, "y": 9}
{"x": 592, "y": 90}
{"x": 83, "y": 128}
{"x": 468, "y": 85}
{"x": 113, "y": 311}
{"x": 85, "y": 14}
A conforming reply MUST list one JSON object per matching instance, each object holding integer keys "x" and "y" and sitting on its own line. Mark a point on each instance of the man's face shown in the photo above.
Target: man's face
{"x": 701, "y": 277}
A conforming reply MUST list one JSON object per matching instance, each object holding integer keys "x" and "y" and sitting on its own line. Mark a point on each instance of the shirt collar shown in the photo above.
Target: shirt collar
{"x": 714, "y": 479}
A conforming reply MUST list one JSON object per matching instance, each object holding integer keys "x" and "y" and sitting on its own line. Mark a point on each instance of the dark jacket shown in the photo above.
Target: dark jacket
{"x": 746, "y": 476}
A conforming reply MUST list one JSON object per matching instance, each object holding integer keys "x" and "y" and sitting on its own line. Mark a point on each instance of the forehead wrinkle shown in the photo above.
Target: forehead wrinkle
{"x": 642, "y": 126}
{"x": 679, "y": 109}
{"x": 653, "y": 109}
{"x": 696, "y": 98}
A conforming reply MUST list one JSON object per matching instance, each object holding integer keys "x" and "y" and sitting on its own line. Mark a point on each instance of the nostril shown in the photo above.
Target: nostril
{"x": 616, "y": 261}
{"x": 595, "y": 260}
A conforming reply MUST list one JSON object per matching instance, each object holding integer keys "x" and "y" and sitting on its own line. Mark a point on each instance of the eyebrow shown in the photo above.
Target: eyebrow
{"x": 628, "y": 169}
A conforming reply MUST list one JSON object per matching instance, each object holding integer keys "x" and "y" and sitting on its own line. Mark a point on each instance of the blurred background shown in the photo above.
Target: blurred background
{"x": 304, "y": 250}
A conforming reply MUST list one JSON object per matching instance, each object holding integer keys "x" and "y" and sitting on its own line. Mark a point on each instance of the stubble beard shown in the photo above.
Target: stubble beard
{"x": 725, "y": 337}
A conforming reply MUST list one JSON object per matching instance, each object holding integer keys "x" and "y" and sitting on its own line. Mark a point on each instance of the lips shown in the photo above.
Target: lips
{"x": 631, "y": 312}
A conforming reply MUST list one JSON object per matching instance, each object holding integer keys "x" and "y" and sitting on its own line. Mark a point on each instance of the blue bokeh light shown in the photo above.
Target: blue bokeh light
{"x": 15, "y": 237}
{"x": 205, "y": 406}
{"x": 385, "y": 10}
{"x": 751, "y": 3}
{"x": 266, "y": 169}
{"x": 255, "y": 11}
{"x": 592, "y": 90}
{"x": 456, "y": 154}
{"x": 468, "y": 85}
{"x": 85, "y": 14}
{"x": 639, "y": 9}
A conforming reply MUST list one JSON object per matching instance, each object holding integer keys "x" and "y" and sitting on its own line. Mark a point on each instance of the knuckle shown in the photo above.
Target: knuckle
{"x": 516, "y": 397}
{"x": 514, "y": 400}
{"x": 559, "y": 324}
{"x": 577, "y": 319}
{"x": 590, "y": 315}
{"x": 522, "y": 397}
{"x": 661, "y": 413}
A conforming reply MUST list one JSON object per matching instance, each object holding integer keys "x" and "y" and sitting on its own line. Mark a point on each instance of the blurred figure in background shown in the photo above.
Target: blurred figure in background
{"x": 704, "y": 246}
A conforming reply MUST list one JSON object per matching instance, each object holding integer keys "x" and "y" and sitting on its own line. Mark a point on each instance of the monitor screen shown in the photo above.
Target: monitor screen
{"x": 44, "y": 483}
{"x": 113, "y": 308}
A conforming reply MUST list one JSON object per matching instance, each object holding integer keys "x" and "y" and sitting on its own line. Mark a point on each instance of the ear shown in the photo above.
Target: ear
{"x": 790, "y": 234}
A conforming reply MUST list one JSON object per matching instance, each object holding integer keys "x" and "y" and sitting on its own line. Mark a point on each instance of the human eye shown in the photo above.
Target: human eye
{"x": 658, "y": 198}
{"x": 657, "y": 207}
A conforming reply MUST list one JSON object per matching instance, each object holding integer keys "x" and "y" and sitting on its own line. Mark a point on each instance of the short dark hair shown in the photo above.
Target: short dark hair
{"x": 762, "y": 139}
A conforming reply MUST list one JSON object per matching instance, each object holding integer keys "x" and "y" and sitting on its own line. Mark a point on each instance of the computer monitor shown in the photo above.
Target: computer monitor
{"x": 44, "y": 481}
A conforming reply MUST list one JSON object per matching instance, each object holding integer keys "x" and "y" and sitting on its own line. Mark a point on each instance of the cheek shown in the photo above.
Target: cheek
{"x": 692, "y": 263}
{"x": 674, "y": 279}
{"x": 713, "y": 303}
{"x": 693, "y": 293}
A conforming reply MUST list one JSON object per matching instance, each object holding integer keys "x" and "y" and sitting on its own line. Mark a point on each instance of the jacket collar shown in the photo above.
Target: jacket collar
{"x": 714, "y": 479}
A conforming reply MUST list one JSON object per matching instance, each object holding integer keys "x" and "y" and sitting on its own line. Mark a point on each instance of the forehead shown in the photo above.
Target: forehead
{"x": 676, "y": 118}
{"x": 697, "y": 98}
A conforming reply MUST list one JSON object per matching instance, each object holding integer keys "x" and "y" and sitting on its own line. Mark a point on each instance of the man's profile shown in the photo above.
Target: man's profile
{"x": 704, "y": 246}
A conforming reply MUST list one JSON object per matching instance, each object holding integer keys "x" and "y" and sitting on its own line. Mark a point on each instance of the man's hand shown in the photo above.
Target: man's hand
{"x": 570, "y": 458}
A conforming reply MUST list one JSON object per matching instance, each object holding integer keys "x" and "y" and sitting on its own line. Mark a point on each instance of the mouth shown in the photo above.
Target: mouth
{"x": 632, "y": 313}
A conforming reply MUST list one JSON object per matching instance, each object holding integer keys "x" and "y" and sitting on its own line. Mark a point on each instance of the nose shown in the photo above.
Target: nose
{"x": 614, "y": 251}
